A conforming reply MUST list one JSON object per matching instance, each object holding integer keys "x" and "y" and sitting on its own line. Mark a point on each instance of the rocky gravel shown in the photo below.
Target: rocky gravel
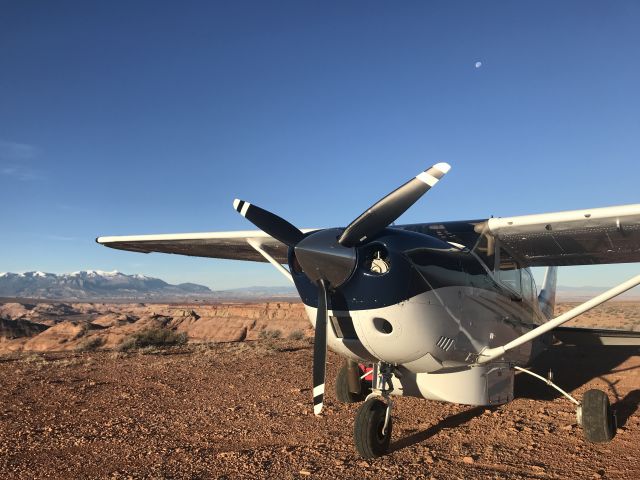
{"x": 243, "y": 410}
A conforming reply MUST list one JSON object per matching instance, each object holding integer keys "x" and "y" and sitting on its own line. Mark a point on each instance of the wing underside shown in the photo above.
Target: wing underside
{"x": 578, "y": 237}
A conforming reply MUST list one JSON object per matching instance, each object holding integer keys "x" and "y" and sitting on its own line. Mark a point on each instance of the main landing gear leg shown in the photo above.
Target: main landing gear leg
{"x": 373, "y": 425}
{"x": 594, "y": 414}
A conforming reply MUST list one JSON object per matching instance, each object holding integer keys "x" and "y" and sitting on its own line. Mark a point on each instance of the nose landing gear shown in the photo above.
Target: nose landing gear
{"x": 373, "y": 424}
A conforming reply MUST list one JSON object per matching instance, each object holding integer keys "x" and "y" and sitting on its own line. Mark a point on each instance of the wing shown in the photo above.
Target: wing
{"x": 229, "y": 245}
{"x": 578, "y": 237}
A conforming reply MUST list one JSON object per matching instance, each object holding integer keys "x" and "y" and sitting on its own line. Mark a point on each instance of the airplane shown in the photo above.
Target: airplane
{"x": 445, "y": 311}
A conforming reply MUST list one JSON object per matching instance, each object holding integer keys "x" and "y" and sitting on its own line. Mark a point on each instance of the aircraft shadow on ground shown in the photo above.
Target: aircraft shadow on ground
{"x": 573, "y": 367}
{"x": 450, "y": 422}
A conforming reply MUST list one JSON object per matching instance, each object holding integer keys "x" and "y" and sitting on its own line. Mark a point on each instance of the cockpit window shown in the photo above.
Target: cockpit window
{"x": 509, "y": 271}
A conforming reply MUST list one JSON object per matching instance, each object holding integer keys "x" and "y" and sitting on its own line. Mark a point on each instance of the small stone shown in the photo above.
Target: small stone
{"x": 468, "y": 459}
{"x": 306, "y": 473}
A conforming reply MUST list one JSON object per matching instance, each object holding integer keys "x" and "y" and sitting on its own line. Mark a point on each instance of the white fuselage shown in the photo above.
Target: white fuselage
{"x": 434, "y": 339}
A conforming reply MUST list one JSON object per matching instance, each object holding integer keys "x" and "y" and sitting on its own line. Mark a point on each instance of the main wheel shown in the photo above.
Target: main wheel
{"x": 370, "y": 440}
{"x": 342, "y": 388}
{"x": 598, "y": 422}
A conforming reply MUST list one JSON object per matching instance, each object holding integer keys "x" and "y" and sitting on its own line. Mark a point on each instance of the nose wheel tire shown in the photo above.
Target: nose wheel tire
{"x": 342, "y": 388}
{"x": 370, "y": 439}
{"x": 598, "y": 420}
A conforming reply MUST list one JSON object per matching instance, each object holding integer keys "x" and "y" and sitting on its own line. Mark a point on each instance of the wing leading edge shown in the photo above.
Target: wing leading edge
{"x": 227, "y": 245}
{"x": 577, "y": 237}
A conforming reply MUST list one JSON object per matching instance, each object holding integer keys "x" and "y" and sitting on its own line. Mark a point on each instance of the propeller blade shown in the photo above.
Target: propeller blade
{"x": 269, "y": 223}
{"x": 389, "y": 208}
{"x": 320, "y": 349}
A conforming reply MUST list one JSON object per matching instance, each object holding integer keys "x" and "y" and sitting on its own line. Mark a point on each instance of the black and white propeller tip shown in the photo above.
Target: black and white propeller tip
{"x": 269, "y": 222}
{"x": 241, "y": 206}
{"x": 433, "y": 174}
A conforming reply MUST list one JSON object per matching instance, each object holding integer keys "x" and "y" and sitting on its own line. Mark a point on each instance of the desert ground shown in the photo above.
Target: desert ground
{"x": 79, "y": 398}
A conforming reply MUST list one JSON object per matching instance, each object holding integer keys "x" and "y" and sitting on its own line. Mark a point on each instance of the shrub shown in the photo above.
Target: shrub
{"x": 296, "y": 335}
{"x": 90, "y": 344}
{"x": 34, "y": 358}
{"x": 270, "y": 334}
{"x": 127, "y": 344}
{"x": 153, "y": 337}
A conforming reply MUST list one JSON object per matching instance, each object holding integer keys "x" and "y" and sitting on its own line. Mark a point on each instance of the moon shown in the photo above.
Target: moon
{"x": 478, "y": 64}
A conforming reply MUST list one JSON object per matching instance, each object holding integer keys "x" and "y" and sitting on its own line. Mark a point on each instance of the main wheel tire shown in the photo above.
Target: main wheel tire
{"x": 342, "y": 388}
{"x": 598, "y": 421}
{"x": 370, "y": 440}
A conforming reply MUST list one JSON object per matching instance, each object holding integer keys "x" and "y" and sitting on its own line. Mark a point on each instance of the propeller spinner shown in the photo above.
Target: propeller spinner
{"x": 329, "y": 257}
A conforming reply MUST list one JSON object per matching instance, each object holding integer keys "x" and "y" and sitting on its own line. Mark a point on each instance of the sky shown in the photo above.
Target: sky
{"x": 142, "y": 117}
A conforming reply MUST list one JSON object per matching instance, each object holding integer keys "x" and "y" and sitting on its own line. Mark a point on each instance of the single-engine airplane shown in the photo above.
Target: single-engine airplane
{"x": 444, "y": 311}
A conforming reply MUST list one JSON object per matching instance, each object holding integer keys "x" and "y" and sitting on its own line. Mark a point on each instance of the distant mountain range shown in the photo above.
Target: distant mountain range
{"x": 99, "y": 285}
{"x": 571, "y": 294}
{"x": 94, "y": 284}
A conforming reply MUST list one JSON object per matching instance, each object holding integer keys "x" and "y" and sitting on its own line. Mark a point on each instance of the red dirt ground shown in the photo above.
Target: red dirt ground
{"x": 243, "y": 410}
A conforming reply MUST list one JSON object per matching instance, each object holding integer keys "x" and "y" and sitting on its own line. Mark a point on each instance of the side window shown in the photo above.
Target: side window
{"x": 528, "y": 286}
{"x": 509, "y": 272}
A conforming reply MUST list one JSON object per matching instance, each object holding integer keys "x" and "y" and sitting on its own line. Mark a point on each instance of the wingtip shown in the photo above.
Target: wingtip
{"x": 236, "y": 202}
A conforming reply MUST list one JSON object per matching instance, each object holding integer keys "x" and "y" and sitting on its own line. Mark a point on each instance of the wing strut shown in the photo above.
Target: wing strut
{"x": 490, "y": 354}
{"x": 258, "y": 247}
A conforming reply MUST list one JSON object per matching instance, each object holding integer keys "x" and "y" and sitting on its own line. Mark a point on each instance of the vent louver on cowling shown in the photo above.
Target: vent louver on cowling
{"x": 445, "y": 343}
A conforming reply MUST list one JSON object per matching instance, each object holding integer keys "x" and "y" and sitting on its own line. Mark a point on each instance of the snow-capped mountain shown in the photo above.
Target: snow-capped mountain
{"x": 94, "y": 284}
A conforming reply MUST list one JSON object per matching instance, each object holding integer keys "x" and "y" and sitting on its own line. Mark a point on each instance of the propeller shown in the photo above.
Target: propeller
{"x": 329, "y": 257}
{"x": 269, "y": 222}
{"x": 388, "y": 209}
{"x": 320, "y": 348}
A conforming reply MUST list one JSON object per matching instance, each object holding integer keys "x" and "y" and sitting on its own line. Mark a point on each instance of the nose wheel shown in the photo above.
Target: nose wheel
{"x": 371, "y": 437}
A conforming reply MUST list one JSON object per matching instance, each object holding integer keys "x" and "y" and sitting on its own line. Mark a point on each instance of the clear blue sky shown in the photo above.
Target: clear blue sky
{"x": 151, "y": 117}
